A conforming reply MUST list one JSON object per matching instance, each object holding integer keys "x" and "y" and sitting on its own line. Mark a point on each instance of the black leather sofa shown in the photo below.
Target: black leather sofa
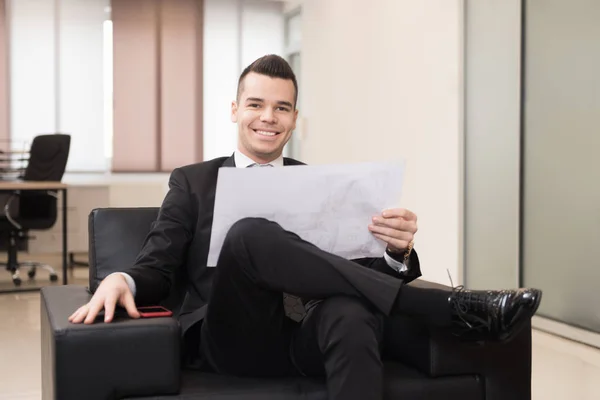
{"x": 142, "y": 358}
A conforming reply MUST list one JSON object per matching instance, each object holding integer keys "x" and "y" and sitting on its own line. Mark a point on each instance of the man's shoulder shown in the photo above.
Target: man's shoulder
{"x": 216, "y": 163}
{"x": 199, "y": 174}
{"x": 291, "y": 161}
{"x": 203, "y": 166}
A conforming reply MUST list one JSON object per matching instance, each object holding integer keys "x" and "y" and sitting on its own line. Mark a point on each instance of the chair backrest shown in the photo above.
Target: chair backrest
{"x": 47, "y": 162}
{"x": 48, "y": 157}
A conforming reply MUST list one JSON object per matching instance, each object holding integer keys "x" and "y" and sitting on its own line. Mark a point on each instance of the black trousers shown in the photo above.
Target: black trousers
{"x": 246, "y": 333}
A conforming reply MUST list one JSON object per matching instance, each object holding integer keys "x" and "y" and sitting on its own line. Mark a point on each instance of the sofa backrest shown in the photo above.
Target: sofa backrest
{"x": 116, "y": 236}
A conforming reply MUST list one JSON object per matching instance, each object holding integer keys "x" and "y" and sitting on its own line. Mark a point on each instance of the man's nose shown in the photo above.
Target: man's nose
{"x": 268, "y": 116}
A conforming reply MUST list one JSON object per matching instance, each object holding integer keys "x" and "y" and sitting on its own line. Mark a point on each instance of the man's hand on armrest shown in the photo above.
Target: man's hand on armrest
{"x": 112, "y": 291}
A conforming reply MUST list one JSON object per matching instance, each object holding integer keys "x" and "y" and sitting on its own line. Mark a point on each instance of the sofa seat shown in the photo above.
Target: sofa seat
{"x": 401, "y": 382}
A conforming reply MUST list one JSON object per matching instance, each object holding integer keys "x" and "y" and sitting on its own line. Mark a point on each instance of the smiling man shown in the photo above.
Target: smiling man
{"x": 265, "y": 114}
{"x": 233, "y": 317}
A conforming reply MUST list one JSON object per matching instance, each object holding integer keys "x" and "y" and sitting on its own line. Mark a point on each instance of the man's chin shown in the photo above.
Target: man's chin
{"x": 267, "y": 153}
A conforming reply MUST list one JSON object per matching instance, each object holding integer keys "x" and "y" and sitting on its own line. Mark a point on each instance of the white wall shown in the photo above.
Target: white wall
{"x": 47, "y": 36}
{"x": 291, "y": 5}
{"x": 492, "y": 141}
{"x": 221, "y": 66}
{"x": 262, "y": 27}
{"x": 384, "y": 80}
{"x": 32, "y": 69}
{"x": 236, "y": 33}
{"x": 81, "y": 83}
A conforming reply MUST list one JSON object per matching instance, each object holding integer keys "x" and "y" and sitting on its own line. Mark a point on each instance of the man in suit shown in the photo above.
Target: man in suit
{"x": 233, "y": 315}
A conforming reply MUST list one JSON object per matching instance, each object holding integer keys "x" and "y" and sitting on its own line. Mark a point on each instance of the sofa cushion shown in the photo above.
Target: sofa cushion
{"x": 400, "y": 383}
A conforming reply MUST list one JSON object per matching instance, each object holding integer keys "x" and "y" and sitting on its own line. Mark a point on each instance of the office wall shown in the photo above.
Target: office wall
{"x": 561, "y": 129}
{"x": 33, "y": 92}
{"x": 385, "y": 81}
{"x": 292, "y": 5}
{"x": 56, "y": 70}
{"x": 262, "y": 30}
{"x": 221, "y": 66}
{"x": 235, "y": 34}
{"x": 4, "y": 89}
{"x": 492, "y": 141}
{"x": 80, "y": 86}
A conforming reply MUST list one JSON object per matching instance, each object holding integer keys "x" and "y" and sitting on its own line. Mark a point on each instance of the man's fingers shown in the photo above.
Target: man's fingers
{"x": 93, "y": 311}
{"x": 397, "y": 223}
{"x": 398, "y": 244}
{"x": 109, "y": 308}
{"x": 391, "y": 233}
{"x": 79, "y": 315}
{"x": 72, "y": 316}
{"x": 129, "y": 304}
{"x": 399, "y": 212}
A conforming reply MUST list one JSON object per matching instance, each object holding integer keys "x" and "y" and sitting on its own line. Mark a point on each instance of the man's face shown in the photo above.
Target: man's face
{"x": 265, "y": 116}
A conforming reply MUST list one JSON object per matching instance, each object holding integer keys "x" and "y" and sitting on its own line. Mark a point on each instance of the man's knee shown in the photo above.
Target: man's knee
{"x": 247, "y": 228}
{"x": 350, "y": 324}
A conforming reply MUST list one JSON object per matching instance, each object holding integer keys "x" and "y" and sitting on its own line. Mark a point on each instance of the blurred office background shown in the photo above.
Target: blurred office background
{"x": 494, "y": 105}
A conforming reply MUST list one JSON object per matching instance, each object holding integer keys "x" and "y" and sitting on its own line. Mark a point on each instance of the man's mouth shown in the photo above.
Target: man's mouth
{"x": 265, "y": 133}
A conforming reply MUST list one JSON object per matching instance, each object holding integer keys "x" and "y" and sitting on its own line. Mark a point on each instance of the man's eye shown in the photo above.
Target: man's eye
{"x": 283, "y": 109}
{"x": 253, "y": 105}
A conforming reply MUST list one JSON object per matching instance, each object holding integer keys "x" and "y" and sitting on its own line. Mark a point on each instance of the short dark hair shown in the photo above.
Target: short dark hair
{"x": 270, "y": 65}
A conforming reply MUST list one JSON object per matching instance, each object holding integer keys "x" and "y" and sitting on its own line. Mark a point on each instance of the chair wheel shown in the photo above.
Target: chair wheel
{"x": 31, "y": 273}
{"x": 53, "y": 277}
{"x": 17, "y": 281}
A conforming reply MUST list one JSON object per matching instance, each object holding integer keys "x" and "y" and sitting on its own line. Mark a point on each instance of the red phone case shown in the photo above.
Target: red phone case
{"x": 152, "y": 312}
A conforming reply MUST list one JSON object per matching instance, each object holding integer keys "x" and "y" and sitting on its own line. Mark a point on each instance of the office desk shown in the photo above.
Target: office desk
{"x": 14, "y": 186}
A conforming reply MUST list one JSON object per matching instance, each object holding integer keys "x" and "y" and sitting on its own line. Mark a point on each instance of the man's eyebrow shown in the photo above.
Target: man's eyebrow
{"x": 280, "y": 102}
{"x": 285, "y": 103}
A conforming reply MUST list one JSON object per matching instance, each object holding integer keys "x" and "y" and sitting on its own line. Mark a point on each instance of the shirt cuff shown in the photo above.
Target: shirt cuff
{"x": 394, "y": 264}
{"x": 130, "y": 282}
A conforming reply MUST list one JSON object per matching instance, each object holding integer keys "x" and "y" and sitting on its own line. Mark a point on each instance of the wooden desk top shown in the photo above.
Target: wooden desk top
{"x": 32, "y": 185}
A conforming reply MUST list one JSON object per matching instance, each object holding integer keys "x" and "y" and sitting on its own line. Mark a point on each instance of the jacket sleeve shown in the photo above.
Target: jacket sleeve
{"x": 379, "y": 264}
{"x": 166, "y": 245}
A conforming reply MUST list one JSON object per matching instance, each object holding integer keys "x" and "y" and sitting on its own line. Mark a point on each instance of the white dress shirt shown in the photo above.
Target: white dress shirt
{"x": 243, "y": 161}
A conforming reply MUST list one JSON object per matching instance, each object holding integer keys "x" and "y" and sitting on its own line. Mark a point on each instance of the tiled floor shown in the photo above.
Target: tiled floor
{"x": 562, "y": 370}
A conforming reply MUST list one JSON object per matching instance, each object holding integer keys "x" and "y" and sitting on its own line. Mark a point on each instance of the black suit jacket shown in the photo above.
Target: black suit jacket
{"x": 172, "y": 262}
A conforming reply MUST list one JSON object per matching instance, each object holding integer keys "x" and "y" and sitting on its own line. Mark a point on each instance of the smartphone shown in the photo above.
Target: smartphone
{"x": 154, "y": 311}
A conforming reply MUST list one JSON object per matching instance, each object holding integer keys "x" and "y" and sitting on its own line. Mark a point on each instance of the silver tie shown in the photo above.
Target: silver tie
{"x": 259, "y": 165}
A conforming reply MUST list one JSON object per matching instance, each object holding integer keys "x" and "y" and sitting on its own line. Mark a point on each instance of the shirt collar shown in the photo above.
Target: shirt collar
{"x": 243, "y": 161}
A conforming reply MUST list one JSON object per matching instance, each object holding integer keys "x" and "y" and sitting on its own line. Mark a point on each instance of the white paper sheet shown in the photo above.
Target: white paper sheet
{"x": 330, "y": 206}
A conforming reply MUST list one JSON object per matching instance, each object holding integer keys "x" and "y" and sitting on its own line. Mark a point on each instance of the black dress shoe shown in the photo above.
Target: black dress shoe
{"x": 496, "y": 315}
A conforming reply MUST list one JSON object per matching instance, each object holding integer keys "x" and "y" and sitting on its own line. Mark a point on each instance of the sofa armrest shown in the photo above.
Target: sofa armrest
{"x": 105, "y": 361}
{"x": 505, "y": 367}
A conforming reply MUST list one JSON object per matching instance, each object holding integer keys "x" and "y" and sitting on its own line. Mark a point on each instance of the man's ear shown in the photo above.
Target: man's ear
{"x": 295, "y": 118}
{"x": 234, "y": 110}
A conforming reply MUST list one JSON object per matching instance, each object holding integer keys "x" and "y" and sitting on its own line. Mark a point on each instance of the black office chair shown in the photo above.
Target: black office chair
{"x": 34, "y": 210}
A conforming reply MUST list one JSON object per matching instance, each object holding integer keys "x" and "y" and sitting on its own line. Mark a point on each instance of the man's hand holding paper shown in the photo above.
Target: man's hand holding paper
{"x": 396, "y": 227}
{"x": 331, "y": 206}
